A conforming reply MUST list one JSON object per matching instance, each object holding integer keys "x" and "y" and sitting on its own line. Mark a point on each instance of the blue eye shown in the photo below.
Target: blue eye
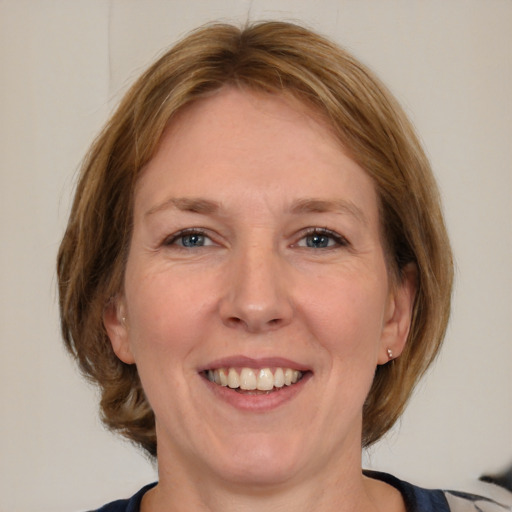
{"x": 192, "y": 240}
{"x": 319, "y": 241}
{"x": 189, "y": 239}
{"x": 322, "y": 239}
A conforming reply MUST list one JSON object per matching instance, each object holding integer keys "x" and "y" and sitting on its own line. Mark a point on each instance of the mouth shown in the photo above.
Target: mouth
{"x": 254, "y": 381}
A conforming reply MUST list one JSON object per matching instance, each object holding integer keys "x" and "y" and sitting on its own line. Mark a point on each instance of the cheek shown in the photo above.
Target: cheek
{"x": 347, "y": 316}
{"x": 162, "y": 313}
{"x": 161, "y": 323}
{"x": 170, "y": 311}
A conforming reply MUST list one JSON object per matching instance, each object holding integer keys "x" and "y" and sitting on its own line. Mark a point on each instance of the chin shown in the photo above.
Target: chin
{"x": 259, "y": 463}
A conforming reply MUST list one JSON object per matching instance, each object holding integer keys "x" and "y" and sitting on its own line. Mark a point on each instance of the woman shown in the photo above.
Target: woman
{"x": 256, "y": 273}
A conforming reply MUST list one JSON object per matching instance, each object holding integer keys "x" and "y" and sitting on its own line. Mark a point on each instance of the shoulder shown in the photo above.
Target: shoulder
{"x": 127, "y": 505}
{"x": 463, "y": 501}
{"x": 418, "y": 499}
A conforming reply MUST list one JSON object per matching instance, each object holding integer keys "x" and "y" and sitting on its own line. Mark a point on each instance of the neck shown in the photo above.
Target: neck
{"x": 344, "y": 490}
{"x": 318, "y": 496}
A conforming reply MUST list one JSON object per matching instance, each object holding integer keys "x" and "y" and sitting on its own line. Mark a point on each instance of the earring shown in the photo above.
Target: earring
{"x": 390, "y": 354}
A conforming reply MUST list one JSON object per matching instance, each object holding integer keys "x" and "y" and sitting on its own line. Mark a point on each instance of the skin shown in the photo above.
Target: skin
{"x": 257, "y": 283}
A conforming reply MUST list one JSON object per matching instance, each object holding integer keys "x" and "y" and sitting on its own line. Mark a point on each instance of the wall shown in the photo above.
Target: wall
{"x": 64, "y": 65}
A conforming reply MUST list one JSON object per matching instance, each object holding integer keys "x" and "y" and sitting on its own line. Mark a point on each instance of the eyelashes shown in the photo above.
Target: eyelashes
{"x": 189, "y": 238}
{"x": 314, "y": 238}
{"x": 321, "y": 238}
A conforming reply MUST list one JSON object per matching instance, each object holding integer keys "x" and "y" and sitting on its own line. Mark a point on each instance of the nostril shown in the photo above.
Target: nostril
{"x": 253, "y": 315}
{"x": 252, "y": 325}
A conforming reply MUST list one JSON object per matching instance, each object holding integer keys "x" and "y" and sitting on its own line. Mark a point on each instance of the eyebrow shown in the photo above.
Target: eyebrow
{"x": 186, "y": 204}
{"x": 300, "y": 206}
{"x": 312, "y": 205}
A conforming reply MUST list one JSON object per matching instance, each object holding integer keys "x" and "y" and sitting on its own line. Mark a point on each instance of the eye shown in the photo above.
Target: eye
{"x": 321, "y": 238}
{"x": 189, "y": 238}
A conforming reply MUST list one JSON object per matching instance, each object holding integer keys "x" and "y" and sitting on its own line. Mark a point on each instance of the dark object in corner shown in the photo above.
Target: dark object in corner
{"x": 503, "y": 479}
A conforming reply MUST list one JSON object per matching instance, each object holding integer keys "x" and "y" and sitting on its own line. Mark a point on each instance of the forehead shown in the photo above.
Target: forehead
{"x": 257, "y": 115}
{"x": 260, "y": 141}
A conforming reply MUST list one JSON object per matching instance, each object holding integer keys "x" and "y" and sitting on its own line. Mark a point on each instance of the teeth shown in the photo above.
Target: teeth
{"x": 223, "y": 377}
{"x": 265, "y": 380}
{"x": 279, "y": 378}
{"x": 233, "y": 379}
{"x": 249, "y": 379}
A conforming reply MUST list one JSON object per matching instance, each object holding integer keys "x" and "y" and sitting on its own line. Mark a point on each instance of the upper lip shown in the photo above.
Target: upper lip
{"x": 255, "y": 363}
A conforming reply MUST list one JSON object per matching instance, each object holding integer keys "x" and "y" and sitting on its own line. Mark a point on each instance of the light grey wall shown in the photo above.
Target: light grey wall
{"x": 64, "y": 65}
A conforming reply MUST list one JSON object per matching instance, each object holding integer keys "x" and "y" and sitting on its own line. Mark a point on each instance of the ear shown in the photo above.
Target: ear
{"x": 398, "y": 315}
{"x": 114, "y": 320}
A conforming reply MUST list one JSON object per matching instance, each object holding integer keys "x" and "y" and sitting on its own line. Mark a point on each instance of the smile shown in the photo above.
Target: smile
{"x": 249, "y": 379}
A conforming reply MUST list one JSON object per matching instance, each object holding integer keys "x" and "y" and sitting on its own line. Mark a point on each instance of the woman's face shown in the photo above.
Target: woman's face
{"x": 256, "y": 261}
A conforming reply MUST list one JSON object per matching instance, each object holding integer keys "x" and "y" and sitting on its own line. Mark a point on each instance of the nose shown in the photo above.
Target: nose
{"x": 257, "y": 293}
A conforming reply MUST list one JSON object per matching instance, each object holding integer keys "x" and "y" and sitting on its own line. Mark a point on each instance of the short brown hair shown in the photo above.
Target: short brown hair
{"x": 275, "y": 57}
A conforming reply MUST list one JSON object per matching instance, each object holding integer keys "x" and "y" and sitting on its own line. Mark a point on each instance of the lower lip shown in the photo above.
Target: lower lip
{"x": 258, "y": 403}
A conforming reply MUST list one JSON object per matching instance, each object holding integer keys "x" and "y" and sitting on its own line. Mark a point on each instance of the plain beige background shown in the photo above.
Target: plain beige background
{"x": 64, "y": 65}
